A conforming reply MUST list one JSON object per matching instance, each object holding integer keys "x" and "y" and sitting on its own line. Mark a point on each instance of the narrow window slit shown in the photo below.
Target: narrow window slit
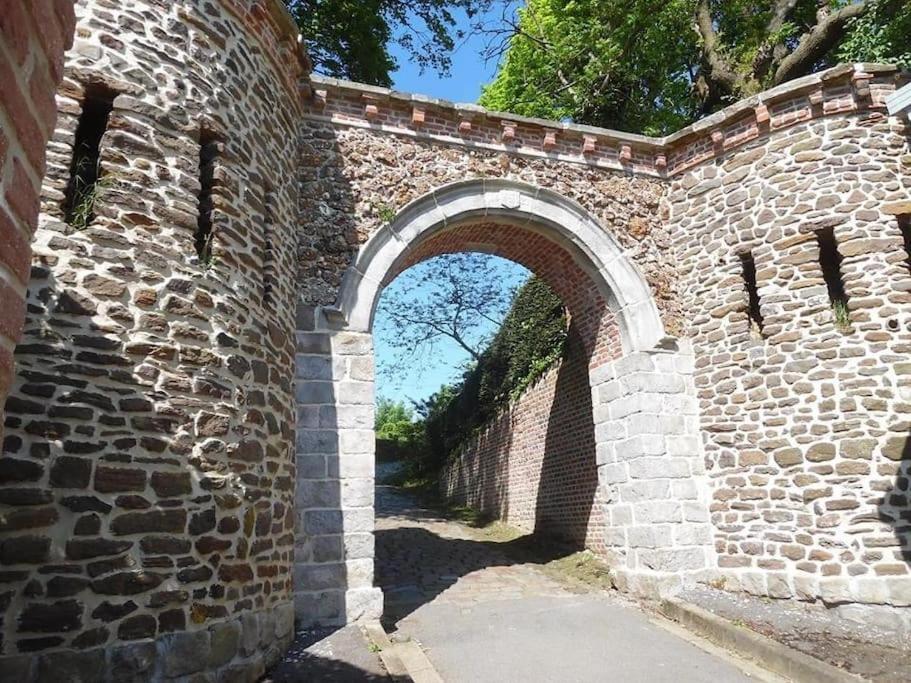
{"x": 268, "y": 245}
{"x": 830, "y": 261}
{"x": 754, "y": 311}
{"x": 209, "y": 149}
{"x": 904, "y": 224}
{"x": 84, "y": 182}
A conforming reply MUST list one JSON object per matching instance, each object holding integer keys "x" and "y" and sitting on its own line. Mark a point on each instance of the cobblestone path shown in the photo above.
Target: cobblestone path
{"x": 422, "y": 557}
{"x": 484, "y": 612}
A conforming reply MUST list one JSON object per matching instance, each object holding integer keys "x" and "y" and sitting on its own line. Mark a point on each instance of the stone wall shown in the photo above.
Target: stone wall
{"x": 354, "y": 178}
{"x": 748, "y": 185}
{"x": 33, "y": 37}
{"x": 804, "y": 420}
{"x": 533, "y": 466}
{"x": 147, "y": 523}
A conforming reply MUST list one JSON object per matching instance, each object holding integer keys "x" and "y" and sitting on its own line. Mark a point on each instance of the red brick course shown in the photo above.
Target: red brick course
{"x": 534, "y": 465}
{"x": 33, "y": 37}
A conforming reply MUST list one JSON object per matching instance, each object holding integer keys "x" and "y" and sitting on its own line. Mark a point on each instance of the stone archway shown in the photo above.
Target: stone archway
{"x": 649, "y": 467}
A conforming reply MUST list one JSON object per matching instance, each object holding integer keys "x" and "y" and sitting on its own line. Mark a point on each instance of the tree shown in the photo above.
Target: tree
{"x": 652, "y": 66}
{"x": 351, "y": 38}
{"x": 462, "y": 297}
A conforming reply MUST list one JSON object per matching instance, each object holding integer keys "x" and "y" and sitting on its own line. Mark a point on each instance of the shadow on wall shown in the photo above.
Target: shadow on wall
{"x": 320, "y": 572}
{"x": 567, "y": 490}
{"x": 895, "y": 508}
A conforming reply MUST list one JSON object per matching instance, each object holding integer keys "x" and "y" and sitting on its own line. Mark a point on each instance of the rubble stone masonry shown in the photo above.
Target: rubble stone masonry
{"x": 187, "y": 458}
{"x": 148, "y": 468}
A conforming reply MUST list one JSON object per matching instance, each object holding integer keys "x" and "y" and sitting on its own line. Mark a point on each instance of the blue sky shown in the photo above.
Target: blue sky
{"x": 469, "y": 70}
{"x": 425, "y": 375}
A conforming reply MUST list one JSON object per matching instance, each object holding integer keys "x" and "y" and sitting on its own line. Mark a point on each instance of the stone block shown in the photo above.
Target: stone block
{"x": 355, "y": 417}
{"x": 358, "y": 520}
{"x": 633, "y": 362}
{"x": 323, "y": 607}
{"x": 683, "y": 445}
{"x": 358, "y": 546}
{"x": 696, "y": 512}
{"x": 871, "y": 590}
{"x": 249, "y": 633}
{"x": 604, "y": 453}
{"x": 779, "y": 585}
{"x": 608, "y": 393}
{"x": 361, "y": 465}
{"x": 65, "y": 665}
{"x": 356, "y": 492}
{"x": 351, "y": 343}
{"x": 651, "y": 536}
{"x": 641, "y": 445}
{"x": 224, "y": 641}
{"x": 359, "y": 573}
{"x": 349, "y": 392}
{"x": 320, "y": 577}
{"x": 612, "y": 474}
{"x": 364, "y": 604}
{"x": 323, "y": 522}
{"x": 356, "y": 442}
{"x": 753, "y": 582}
{"x": 639, "y": 383}
{"x": 642, "y": 423}
{"x": 316, "y": 493}
{"x": 313, "y": 368}
{"x": 899, "y": 590}
{"x": 692, "y": 534}
{"x": 806, "y": 586}
{"x": 615, "y": 536}
{"x": 671, "y": 559}
{"x": 284, "y": 620}
{"x": 642, "y": 490}
{"x": 652, "y": 512}
{"x": 835, "y": 590}
{"x": 310, "y": 441}
{"x": 180, "y": 654}
{"x": 658, "y": 468}
{"x": 610, "y": 431}
{"x": 312, "y": 392}
{"x": 684, "y": 489}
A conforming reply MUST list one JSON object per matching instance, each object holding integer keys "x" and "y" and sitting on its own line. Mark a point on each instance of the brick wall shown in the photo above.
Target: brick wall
{"x": 33, "y": 37}
{"x": 533, "y": 466}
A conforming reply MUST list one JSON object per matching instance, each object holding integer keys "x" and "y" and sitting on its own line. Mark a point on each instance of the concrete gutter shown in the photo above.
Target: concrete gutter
{"x": 403, "y": 661}
{"x": 769, "y": 654}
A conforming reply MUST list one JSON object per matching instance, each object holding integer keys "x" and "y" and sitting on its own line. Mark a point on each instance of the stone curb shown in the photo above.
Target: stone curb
{"x": 403, "y": 661}
{"x": 748, "y": 644}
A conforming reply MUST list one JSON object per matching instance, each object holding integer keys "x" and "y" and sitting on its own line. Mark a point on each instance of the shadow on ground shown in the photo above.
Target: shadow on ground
{"x": 414, "y": 565}
{"x": 336, "y": 655}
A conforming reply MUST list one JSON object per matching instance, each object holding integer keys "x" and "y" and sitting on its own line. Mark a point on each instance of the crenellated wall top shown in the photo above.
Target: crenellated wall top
{"x": 840, "y": 90}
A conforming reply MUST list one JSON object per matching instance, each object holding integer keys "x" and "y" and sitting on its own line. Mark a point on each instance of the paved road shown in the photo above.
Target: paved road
{"x": 482, "y": 616}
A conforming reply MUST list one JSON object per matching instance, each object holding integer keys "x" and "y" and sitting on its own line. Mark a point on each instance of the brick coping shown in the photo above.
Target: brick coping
{"x": 848, "y": 88}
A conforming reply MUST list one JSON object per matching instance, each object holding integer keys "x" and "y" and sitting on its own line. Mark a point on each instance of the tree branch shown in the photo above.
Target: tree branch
{"x": 721, "y": 76}
{"x": 814, "y": 44}
{"x": 772, "y": 51}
